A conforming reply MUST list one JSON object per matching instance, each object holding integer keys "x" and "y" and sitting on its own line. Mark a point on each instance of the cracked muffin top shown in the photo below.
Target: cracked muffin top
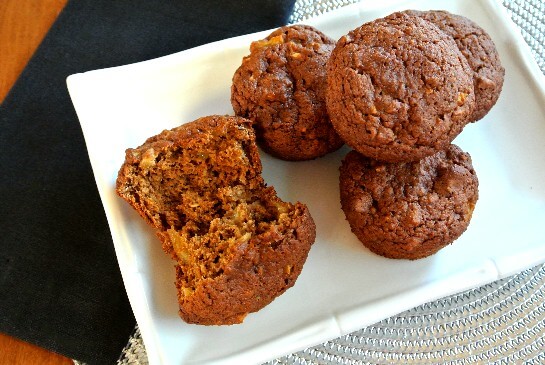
{"x": 281, "y": 86}
{"x": 398, "y": 88}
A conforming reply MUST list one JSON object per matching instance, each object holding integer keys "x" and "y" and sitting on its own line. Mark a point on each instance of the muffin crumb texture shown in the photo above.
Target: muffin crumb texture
{"x": 237, "y": 246}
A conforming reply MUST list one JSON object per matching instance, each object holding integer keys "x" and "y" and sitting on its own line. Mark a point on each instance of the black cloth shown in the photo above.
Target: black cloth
{"x": 60, "y": 285}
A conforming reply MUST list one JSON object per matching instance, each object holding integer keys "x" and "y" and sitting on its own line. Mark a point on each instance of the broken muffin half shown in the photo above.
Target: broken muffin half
{"x": 237, "y": 245}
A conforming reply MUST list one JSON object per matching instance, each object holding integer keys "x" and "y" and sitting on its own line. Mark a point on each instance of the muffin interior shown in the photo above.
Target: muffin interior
{"x": 209, "y": 200}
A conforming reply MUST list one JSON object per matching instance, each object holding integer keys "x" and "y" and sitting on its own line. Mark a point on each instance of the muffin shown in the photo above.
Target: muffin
{"x": 408, "y": 210}
{"x": 399, "y": 89}
{"x": 281, "y": 86}
{"x": 237, "y": 246}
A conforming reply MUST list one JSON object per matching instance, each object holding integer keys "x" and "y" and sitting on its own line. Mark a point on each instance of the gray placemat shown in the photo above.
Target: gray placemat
{"x": 499, "y": 323}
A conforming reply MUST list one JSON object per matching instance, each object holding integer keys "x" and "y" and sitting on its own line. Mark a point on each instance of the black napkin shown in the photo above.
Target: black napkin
{"x": 60, "y": 285}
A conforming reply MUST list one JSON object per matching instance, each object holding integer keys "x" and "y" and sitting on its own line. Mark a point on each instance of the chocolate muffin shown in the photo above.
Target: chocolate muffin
{"x": 281, "y": 87}
{"x": 480, "y": 53}
{"x": 408, "y": 210}
{"x": 237, "y": 246}
{"x": 398, "y": 89}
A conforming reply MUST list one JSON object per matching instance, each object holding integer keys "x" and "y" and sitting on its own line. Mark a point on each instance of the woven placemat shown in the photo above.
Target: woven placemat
{"x": 499, "y": 323}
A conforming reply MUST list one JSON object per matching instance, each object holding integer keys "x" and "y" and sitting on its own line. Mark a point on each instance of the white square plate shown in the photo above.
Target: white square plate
{"x": 343, "y": 287}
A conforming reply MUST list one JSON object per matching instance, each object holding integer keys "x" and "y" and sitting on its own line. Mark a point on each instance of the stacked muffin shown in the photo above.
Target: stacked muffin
{"x": 401, "y": 88}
